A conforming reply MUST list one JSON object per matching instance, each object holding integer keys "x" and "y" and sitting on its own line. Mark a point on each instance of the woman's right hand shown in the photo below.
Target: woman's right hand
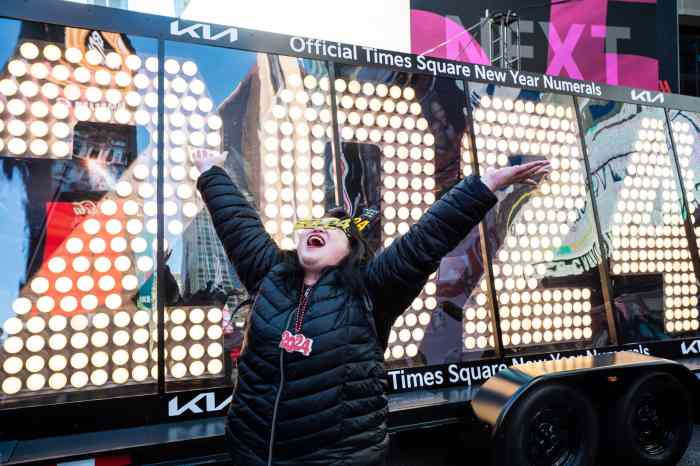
{"x": 204, "y": 159}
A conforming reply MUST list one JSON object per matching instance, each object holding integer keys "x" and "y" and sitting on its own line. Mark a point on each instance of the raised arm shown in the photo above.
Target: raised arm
{"x": 396, "y": 276}
{"x": 247, "y": 244}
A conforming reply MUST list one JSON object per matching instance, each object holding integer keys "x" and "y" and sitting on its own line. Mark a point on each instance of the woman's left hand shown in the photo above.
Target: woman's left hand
{"x": 525, "y": 174}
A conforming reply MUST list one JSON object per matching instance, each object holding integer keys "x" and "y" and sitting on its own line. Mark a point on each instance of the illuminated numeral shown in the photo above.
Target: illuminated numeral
{"x": 647, "y": 231}
{"x": 80, "y": 299}
{"x": 389, "y": 117}
{"x": 539, "y": 227}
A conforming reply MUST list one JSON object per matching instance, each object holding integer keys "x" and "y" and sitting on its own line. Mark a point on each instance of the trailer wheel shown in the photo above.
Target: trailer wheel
{"x": 553, "y": 425}
{"x": 653, "y": 421}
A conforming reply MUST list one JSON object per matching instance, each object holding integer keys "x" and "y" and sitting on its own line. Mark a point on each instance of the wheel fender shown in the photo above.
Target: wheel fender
{"x": 496, "y": 398}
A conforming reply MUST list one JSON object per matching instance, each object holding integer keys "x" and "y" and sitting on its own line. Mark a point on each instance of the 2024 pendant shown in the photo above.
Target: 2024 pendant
{"x": 292, "y": 343}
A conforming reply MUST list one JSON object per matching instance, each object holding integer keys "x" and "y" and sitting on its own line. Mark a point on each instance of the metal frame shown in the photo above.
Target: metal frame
{"x": 160, "y": 219}
{"x": 485, "y": 248}
{"x": 603, "y": 267}
{"x": 500, "y": 27}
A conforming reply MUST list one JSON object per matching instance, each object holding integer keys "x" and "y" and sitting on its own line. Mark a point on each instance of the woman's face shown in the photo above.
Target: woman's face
{"x": 320, "y": 248}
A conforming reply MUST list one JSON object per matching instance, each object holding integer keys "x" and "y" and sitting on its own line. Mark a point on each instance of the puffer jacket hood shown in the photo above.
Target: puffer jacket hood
{"x": 330, "y": 407}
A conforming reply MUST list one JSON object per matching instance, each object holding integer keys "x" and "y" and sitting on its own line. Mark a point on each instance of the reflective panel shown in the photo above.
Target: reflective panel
{"x": 402, "y": 140}
{"x": 637, "y": 190}
{"x": 271, "y": 115}
{"x": 78, "y": 154}
{"x": 686, "y": 135}
{"x": 542, "y": 239}
{"x": 387, "y": 116}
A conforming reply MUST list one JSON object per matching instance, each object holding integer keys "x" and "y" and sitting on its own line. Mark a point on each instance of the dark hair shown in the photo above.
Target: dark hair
{"x": 349, "y": 269}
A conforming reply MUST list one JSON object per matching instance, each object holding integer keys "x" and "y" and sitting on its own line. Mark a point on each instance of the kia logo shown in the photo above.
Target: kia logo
{"x": 203, "y": 31}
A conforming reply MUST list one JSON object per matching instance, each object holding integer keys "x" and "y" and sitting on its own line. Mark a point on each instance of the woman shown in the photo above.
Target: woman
{"x": 311, "y": 382}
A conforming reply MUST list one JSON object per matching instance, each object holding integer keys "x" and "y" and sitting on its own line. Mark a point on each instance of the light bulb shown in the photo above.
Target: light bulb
{"x": 57, "y": 381}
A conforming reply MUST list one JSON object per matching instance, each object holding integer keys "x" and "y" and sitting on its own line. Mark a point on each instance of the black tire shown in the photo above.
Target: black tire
{"x": 653, "y": 421}
{"x": 553, "y": 425}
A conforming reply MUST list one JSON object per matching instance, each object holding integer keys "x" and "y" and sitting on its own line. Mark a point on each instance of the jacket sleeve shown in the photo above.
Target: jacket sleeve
{"x": 249, "y": 247}
{"x": 396, "y": 276}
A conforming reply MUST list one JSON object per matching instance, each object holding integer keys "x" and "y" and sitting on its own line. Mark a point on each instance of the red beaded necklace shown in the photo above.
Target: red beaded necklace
{"x": 297, "y": 342}
{"x": 301, "y": 309}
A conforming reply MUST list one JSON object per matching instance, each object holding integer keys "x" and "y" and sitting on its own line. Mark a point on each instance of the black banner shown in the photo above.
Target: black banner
{"x": 473, "y": 373}
{"x": 248, "y": 39}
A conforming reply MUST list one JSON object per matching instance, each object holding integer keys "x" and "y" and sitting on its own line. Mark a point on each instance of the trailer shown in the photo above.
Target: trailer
{"x": 564, "y": 330}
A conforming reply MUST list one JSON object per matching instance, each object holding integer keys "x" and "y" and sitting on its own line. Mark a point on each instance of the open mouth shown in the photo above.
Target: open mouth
{"x": 315, "y": 240}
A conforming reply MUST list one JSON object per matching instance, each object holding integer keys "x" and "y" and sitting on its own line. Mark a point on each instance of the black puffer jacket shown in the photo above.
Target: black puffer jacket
{"x": 328, "y": 408}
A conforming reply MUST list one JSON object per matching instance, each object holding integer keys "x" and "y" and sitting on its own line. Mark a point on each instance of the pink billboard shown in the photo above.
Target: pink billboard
{"x": 613, "y": 42}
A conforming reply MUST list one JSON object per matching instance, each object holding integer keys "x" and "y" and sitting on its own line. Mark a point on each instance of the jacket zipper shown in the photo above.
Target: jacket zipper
{"x": 279, "y": 389}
